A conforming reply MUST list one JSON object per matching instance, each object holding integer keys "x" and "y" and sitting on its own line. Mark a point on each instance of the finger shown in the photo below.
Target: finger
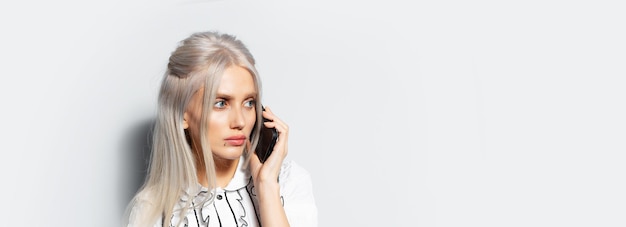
{"x": 281, "y": 128}
{"x": 270, "y": 115}
{"x": 275, "y": 122}
{"x": 280, "y": 149}
{"x": 268, "y": 109}
{"x": 276, "y": 125}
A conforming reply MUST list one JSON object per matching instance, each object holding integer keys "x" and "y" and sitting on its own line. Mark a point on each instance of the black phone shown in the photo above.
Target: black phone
{"x": 267, "y": 140}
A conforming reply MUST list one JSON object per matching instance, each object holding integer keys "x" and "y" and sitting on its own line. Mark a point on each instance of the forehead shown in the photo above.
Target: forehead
{"x": 236, "y": 80}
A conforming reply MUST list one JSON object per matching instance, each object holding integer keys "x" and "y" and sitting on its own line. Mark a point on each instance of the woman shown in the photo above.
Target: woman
{"x": 203, "y": 171}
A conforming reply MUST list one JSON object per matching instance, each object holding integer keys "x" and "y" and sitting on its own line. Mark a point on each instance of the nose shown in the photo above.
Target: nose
{"x": 237, "y": 120}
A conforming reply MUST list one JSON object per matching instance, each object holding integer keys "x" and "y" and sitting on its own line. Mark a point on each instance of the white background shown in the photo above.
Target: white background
{"x": 406, "y": 113}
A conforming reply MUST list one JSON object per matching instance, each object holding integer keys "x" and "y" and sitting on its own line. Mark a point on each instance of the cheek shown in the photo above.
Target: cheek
{"x": 215, "y": 125}
{"x": 250, "y": 121}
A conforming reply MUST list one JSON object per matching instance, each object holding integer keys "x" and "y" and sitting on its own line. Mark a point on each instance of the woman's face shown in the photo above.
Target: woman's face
{"x": 233, "y": 116}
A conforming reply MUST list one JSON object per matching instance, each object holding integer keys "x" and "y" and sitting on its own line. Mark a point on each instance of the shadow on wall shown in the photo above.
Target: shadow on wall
{"x": 135, "y": 159}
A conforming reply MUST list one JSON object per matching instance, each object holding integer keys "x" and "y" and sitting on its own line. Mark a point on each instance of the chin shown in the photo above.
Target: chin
{"x": 230, "y": 153}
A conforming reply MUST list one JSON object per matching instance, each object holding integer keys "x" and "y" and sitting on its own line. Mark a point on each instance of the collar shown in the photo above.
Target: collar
{"x": 239, "y": 180}
{"x": 241, "y": 177}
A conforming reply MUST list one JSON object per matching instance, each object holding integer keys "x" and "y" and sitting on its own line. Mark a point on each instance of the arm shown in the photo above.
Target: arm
{"x": 297, "y": 200}
{"x": 265, "y": 176}
{"x": 297, "y": 190}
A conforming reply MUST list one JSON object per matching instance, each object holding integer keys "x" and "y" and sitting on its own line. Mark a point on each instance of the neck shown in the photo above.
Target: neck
{"x": 224, "y": 170}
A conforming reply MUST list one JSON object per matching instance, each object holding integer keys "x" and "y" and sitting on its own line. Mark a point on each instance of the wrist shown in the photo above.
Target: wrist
{"x": 267, "y": 189}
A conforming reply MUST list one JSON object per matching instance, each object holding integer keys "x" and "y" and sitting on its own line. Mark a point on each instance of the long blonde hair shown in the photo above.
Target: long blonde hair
{"x": 198, "y": 61}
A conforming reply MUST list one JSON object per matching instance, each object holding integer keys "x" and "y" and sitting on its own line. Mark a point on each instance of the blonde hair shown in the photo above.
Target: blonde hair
{"x": 198, "y": 61}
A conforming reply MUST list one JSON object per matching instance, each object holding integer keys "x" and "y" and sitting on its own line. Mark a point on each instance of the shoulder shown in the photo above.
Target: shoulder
{"x": 140, "y": 211}
{"x": 290, "y": 170}
{"x": 297, "y": 190}
{"x": 293, "y": 178}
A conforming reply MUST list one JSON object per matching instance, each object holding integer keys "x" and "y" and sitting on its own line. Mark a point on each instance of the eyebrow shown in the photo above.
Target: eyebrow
{"x": 229, "y": 97}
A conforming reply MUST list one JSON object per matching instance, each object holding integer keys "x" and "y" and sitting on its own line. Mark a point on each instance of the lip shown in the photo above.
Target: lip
{"x": 236, "y": 140}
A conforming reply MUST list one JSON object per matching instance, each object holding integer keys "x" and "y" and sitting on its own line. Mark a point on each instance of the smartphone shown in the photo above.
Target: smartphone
{"x": 267, "y": 140}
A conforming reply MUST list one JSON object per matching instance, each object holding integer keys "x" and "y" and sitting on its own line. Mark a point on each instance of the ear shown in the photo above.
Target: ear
{"x": 185, "y": 121}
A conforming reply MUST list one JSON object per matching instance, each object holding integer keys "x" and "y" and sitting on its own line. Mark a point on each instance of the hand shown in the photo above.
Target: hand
{"x": 265, "y": 175}
{"x": 269, "y": 171}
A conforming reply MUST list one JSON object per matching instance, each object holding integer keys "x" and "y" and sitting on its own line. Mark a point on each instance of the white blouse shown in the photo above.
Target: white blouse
{"x": 237, "y": 203}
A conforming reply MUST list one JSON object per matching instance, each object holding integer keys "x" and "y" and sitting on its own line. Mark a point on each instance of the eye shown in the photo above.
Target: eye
{"x": 220, "y": 104}
{"x": 250, "y": 103}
